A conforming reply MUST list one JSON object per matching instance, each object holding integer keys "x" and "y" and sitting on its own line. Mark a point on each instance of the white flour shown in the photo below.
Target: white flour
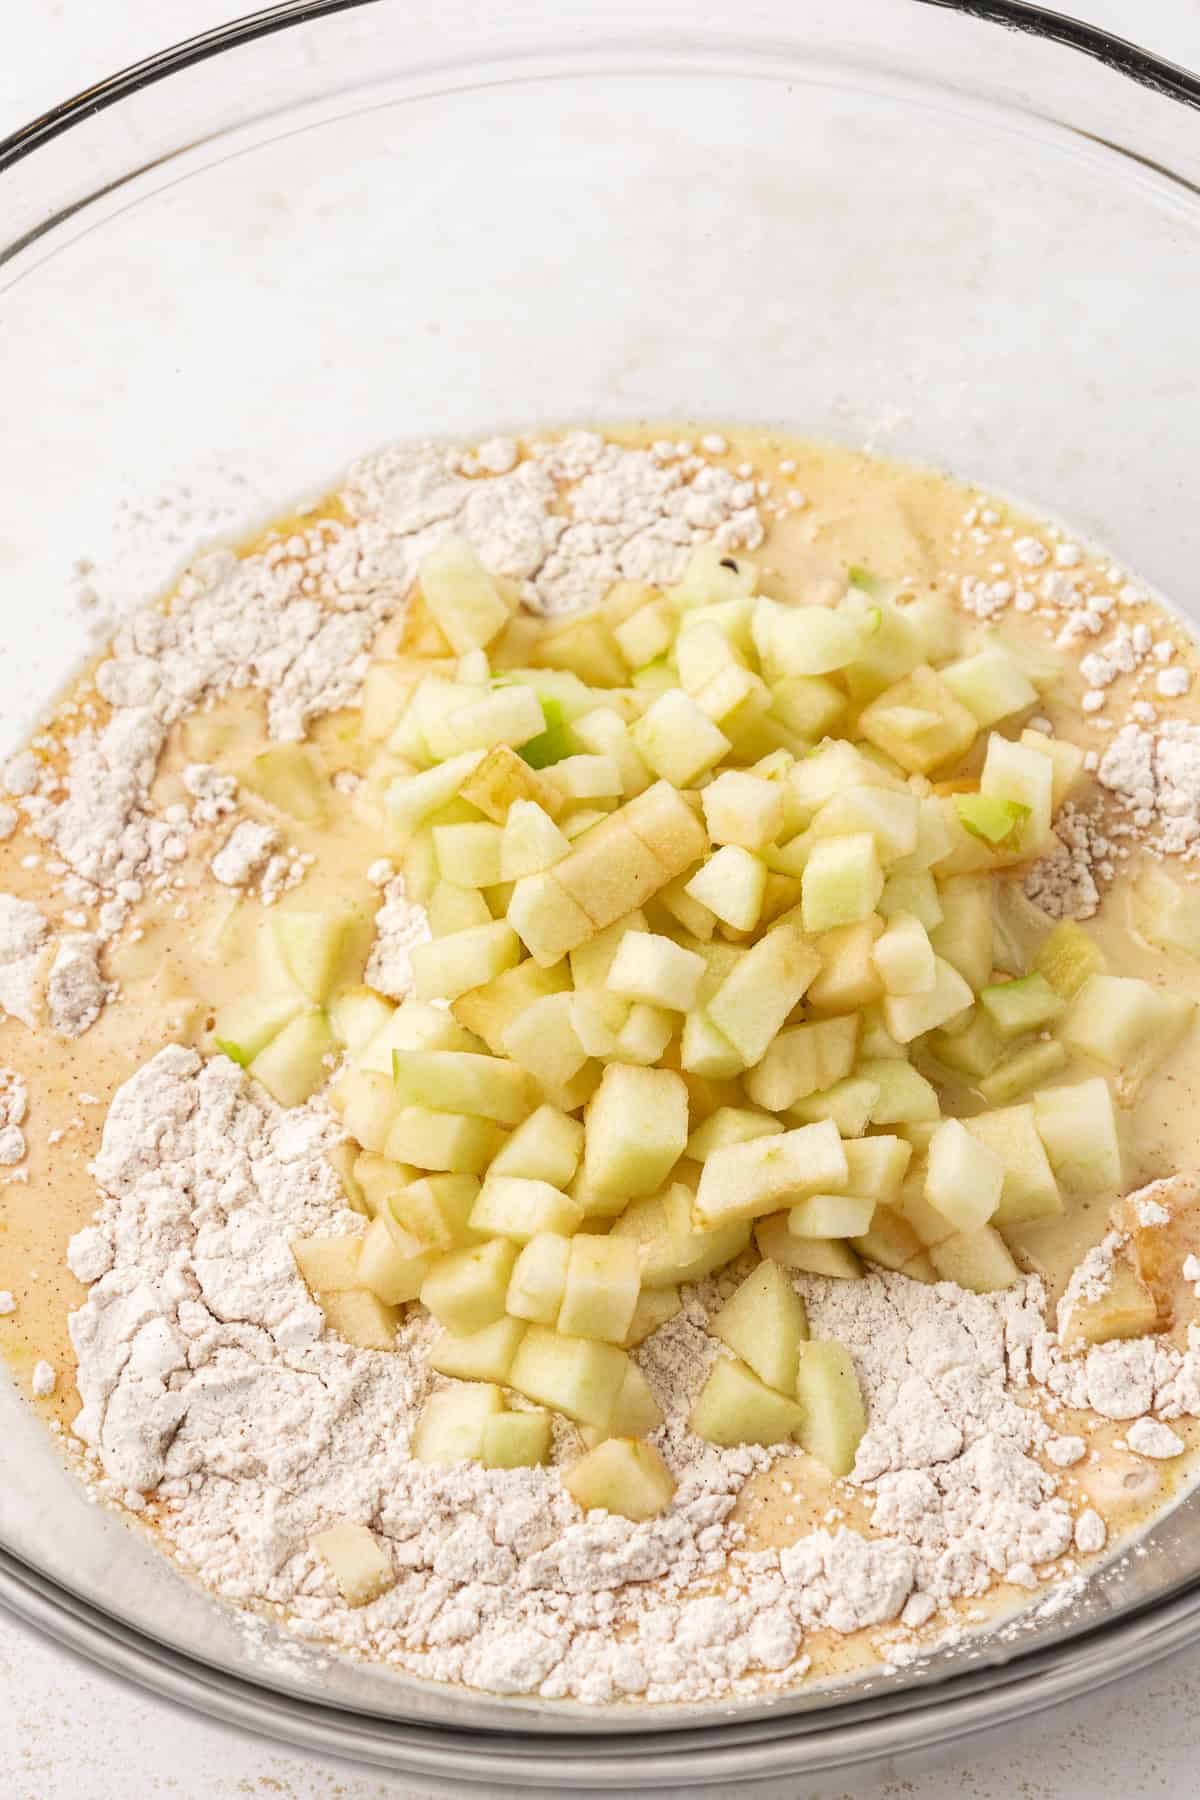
{"x": 209, "y": 1387}
{"x": 1155, "y": 775}
{"x": 14, "y": 1104}
{"x": 398, "y": 928}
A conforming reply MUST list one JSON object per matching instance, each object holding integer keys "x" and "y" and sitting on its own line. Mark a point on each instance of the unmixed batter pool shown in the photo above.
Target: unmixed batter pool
{"x": 477, "y": 1395}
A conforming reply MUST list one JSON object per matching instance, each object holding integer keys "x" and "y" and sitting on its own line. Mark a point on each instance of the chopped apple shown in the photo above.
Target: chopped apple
{"x": 835, "y": 1416}
{"x": 1017, "y": 1007}
{"x": 467, "y": 1289}
{"x": 730, "y": 1125}
{"x": 461, "y": 595}
{"x": 655, "y": 1307}
{"x": 644, "y": 1036}
{"x": 1078, "y": 1126}
{"x": 469, "y": 854}
{"x": 603, "y": 1280}
{"x": 976, "y": 1260}
{"x": 411, "y": 799}
{"x": 293, "y": 1065}
{"x": 850, "y": 1104}
{"x": 904, "y": 956}
{"x": 877, "y": 1167}
{"x": 891, "y": 1242}
{"x": 841, "y": 883}
{"x": 436, "y": 1208}
{"x": 636, "y": 1129}
{"x": 544, "y": 1041}
{"x": 246, "y": 1026}
{"x": 1066, "y": 956}
{"x": 539, "y": 1279}
{"x": 831, "y": 1216}
{"x": 360, "y": 1318}
{"x": 328, "y": 1264}
{"x": 546, "y": 1147}
{"x": 1029, "y": 1190}
{"x": 731, "y": 884}
{"x": 580, "y": 1377}
{"x": 515, "y": 1207}
{"x": 678, "y": 740}
{"x": 664, "y": 822}
{"x": 457, "y": 1143}
{"x": 671, "y": 1248}
{"x": 450, "y": 1081}
{"x": 516, "y": 1440}
{"x": 911, "y": 1015}
{"x": 744, "y": 1181}
{"x": 890, "y": 817}
{"x": 452, "y": 1422}
{"x": 360, "y": 1566}
{"x": 848, "y": 980}
{"x": 905, "y": 1096}
{"x": 1127, "y": 1023}
{"x": 392, "y": 1262}
{"x": 622, "y": 1476}
{"x": 491, "y": 1009}
{"x": 764, "y": 1323}
{"x": 314, "y": 945}
{"x": 815, "y": 1256}
{"x": 452, "y": 908}
{"x": 484, "y": 1355}
{"x": 1125, "y": 1309}
{"x": 531, "y": 842}
{"x": 918, "y": 722}
{"x": 754, "y": 1000}
{"x": 414, "y": 1025}
{"x": 735, "y": 1407}
{"x": 743, "y": 809}
{"x": 503, "y": 780}
{"x": 451, "y": 966}
{"x": 1021, "y": 1070}
{"x": 964, "y": 1176}
{"x": 655, "y": 970}
{"x": 992, "y": 685}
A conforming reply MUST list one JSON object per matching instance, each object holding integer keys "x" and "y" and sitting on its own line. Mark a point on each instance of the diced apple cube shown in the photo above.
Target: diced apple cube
{"x": 764, "y": 1322}
{"x": 484, "y": 1355}
{"x": 360, "y": 1566}
{"x": 580, "y": 1377}
{"x": 608, "y": 873}
{"x": 546, "y": 1147}
{"x": 919, "y": 723}
{"x": 1016, "y": 773}
{"x": 452, "y": 1423}
{"x": 964, "y": 938}
{"x": 1078, "y": 1126}
{"x": 1021, "y": 1070}
{"x": 515, "y": 1207}
{"x": 914, "y": 893}
{"x": 503, "y": 780}
{"x": 735, "y": 1407}
{"x": 889, "y": 817}
{"x": 904, "y": 957}
{"x": 1125, "y": 1022}
{"x": 539, "y": 1278}
{"x": 908, "y": 1016}
{"x": 992, "y": 685}
{"x": 451, "y": 966}
{"x": 450, "y": 1081}
{"x": 905, "y": 1097}
{"x": 848, "y": 980}
{"x": 410, "y": 799}
{"x": 806, "y": 640}
{"x": 461, "y": 595}
{"x": 636, "y": 1413}
{"x": 743, "y": 809}
{"x": 678, "y": 740}
{"x": 247, "y": 1026}
{"x": 490, "y": 1010}
{"x": 360, "y": 1318}
{"x": 414, "y": 1025}
{"x": 646, "y": 634}
{"x": 976, "y": 1260}
{"x": 576, "y": 778}
{"x": 655, "y": 1307}
{"x": 752, "y": 1003}
{"x": 622, "y": 1476}
{"x": 706, "y": 1051}
{"x": 815, "y": 1256}
{"x": 803, "y": 1061}
{"x": 1030, "y": 1190}
{"x": 392, "y": 1262}
{"x": 731, "y": 884}
{"x": 850, "y": 1104}
{"x": 644, "y": 1036}
{"x": 964, "y": 1176}
{"x": 1125, "y": 1309}
{"x": 368, "y": 1105}
{"x": 744, "y": 1181}
{"x": 877, "y": 1167}
{"x": 452, "y": 908}
{"x": 544, "y": 1041}
{"x": 636, "y": 1129}
{"x": 655, "y": 970}
{"x": 831, "y": 1216}
{"x": 890, "y": 1241}
{"x": 664, "y": 822}
{"x": 466, "y": 1290}
{"x": 603, "y": 1280}
{"x": 469, "y": 854}
{"x": 531, "y": 842}
{"x": 328, "y": 1264}
{"x": 516, "y": 1440}
{"x": 1016, "y": 1007}
{"x": 695, "y": 919}
{"x": 730, "y": 1125}
{"x": 314, "y": 946}
{"x": 585, "y": 646}
{"x": 437, "y": 1209}
{"x": 842, "y": 882}
{"x": 293, "y": 1064}
{"x": 835, "y": 1415}
{"x": 458, "y": 1143}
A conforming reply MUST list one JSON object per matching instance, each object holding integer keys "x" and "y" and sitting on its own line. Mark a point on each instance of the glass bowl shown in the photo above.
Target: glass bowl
{"x": 966, "y": 235}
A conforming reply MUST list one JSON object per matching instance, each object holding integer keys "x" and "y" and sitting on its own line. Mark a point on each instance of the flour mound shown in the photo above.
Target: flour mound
{"x": 211, "y": 1390}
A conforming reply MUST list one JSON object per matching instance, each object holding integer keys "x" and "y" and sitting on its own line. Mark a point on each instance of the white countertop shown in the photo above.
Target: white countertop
{"x": 66, "y": 1730}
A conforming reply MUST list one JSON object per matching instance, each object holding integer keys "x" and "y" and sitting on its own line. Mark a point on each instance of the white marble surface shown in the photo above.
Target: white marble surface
{"x": 66, "y": 1730}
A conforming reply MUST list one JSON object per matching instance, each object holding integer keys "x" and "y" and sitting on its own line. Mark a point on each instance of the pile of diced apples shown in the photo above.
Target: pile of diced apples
{"x": 710, "y": 881}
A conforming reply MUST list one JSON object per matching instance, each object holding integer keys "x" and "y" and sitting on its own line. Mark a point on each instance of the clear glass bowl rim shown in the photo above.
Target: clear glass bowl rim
{"x": 850, "y": 1734}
